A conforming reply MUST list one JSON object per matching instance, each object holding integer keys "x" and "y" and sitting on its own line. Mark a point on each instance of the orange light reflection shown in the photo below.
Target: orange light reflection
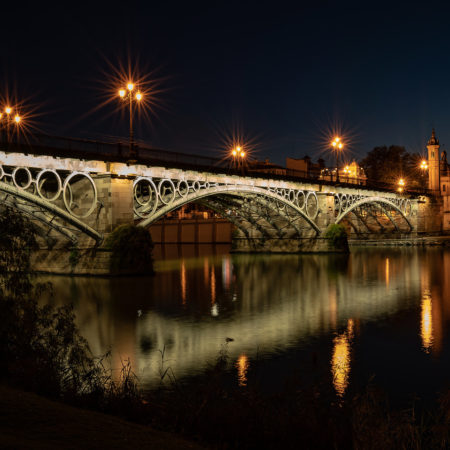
{"x": 242, "y": 365}
{"x": 426, "y": 324}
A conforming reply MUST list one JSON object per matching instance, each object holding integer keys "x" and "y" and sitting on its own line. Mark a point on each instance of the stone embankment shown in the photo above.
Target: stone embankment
{"x": 418, "y": 241}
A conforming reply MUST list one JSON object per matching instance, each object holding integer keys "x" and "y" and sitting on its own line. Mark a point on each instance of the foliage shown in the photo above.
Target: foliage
{"x": 131, "y": 250}
{"x": 389, "y": 164}
{"x": 17, "y": 242}
{"x": 40, "y": 347}
{"x": 337, "y": 236}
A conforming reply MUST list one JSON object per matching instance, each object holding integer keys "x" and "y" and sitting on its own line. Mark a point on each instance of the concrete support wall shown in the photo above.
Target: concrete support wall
{"x": 313, "y": 245}
{"x": 72, "y": 262}
{"x": 429, "y": 215}
{"x": 187, "y": 231}
{"x": 326, "y": 211}
{"x": 116, "y": 202}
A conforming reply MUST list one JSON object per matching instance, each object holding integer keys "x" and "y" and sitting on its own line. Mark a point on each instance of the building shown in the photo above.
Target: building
{"x": 439, "y": 177}
{"x": 304, "y": 166}
{"x": 266, "y": 166}
{"x": 352, "y": 173}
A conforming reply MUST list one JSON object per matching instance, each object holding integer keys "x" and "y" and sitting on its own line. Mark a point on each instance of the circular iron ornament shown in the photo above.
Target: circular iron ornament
{"x": 138, "y": 191}
{"x": 40, "y": 184}
{"x": 67, "y": 188}
{"x": 312, "y": 203}
{"x": 344, "y": 202}
{"x": 301, "y": 199}
{"x": 206, "y": 185}
{"x": 2, "y": 172}
{"x": 164, "y": 186}
{"x": 16, "y": 171}
{"x": 350, "y": 200}
{"x": 291, "y": 195}
{"x": 147, "y": 207}
{"x": 183, "y": 188}
{"x": 337, "y": 204}
{"x": 195, "y": 186}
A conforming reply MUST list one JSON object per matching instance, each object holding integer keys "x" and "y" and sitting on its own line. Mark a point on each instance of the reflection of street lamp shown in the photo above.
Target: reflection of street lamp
{"x": 337, "y": 146}
{"x": 127, "y": 95}
{"x": 401, "y": 185}
{"x": 6, "y": 120}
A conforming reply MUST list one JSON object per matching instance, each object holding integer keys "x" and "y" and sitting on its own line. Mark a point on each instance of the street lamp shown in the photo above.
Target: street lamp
{"x": 337, "y": 146}
{"x": 238, "y": 155}
{"x": 7, "y": 119}
{"x": 127, "y": 95}
{"x": 423, "y": 165}
{"x": 401, "y": 185}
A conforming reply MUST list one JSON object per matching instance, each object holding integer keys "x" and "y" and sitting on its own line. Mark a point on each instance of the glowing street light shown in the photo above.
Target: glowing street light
{"x": 238, "y": 155}
{"x": 337, "y": 146}
{"x": 130, "y": 98}
{"x": 7, "y": 120}
{"x": 423, "y": 165}
{"x": 401, "y": 185}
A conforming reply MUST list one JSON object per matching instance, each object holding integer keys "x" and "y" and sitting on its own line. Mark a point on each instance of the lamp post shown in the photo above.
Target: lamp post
{"x": 127, "y": 96}
{"x": 7, "y": 119}
{"x": 423, "y": 167}
{"x": 401, "y": 185}
{"x": 238, "y": 157}
{"x": 337, "y": 146}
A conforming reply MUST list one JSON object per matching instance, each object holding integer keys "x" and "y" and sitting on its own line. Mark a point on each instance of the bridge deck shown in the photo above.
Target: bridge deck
{"x": 83, "y": 149}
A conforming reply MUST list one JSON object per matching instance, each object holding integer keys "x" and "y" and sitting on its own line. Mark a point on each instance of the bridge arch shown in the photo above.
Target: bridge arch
{"x": 46, "y": 212}
{"x": 158, "y": 203}
{"x": 403, "y": 208}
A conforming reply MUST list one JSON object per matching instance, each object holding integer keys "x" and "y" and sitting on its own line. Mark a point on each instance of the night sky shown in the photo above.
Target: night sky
{"x": 284, "y": 75}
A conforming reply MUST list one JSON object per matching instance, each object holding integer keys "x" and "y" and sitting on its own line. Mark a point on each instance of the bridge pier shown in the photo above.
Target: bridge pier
{"x": 115, "y": 197}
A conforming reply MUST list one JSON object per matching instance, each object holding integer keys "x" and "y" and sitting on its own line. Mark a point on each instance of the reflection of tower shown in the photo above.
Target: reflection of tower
{"x": 433, "y": 163}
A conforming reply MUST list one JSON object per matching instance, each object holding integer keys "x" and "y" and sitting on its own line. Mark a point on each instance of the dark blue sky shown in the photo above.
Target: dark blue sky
{"x": 283, "y": 74}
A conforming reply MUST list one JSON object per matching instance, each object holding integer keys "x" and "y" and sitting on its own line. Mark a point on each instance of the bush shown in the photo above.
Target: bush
{"x": 40, "y": 347}
{"x": 337, "y": 236}
{"x": 131, "y": 250}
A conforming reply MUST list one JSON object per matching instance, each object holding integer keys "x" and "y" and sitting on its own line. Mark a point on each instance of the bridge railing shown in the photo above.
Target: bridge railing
{"x": 43, "y": 144}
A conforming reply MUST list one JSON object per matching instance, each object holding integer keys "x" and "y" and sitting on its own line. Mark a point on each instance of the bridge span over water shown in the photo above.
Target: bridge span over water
{"x": 81, "y": 196}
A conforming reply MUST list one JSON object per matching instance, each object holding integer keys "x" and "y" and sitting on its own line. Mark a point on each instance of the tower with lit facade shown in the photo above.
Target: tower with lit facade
{"x": 433, "y": 163}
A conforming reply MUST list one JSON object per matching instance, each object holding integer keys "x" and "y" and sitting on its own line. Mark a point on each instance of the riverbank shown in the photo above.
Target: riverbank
{"x": 28, "y": 421}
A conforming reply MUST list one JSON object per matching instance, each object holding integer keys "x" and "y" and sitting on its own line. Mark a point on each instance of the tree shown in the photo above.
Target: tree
{"x": 389, "y": 164}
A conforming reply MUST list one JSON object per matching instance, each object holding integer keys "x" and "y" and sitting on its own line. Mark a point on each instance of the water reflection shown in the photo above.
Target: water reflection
{"x": 426, "y": 325}
{"x": 183, "y": 282}
{"x": 242, "y": 365}
{"x": 267, "y": 304}
{"x": 341, "y": 359}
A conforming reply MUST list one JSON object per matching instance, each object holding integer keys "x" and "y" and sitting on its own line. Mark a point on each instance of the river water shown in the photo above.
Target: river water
{"x": 379, "y": 314}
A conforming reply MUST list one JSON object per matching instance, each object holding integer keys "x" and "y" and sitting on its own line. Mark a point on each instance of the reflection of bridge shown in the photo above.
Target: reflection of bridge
{"x": 266, "y": 304}
{"x": 73, "y": 197}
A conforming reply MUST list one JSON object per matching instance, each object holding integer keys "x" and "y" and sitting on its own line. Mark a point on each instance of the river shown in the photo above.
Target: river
{"x": 378, "y": 313}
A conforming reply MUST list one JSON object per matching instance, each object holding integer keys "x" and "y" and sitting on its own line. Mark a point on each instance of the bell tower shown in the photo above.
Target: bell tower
{"x": 433, "y": 163}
